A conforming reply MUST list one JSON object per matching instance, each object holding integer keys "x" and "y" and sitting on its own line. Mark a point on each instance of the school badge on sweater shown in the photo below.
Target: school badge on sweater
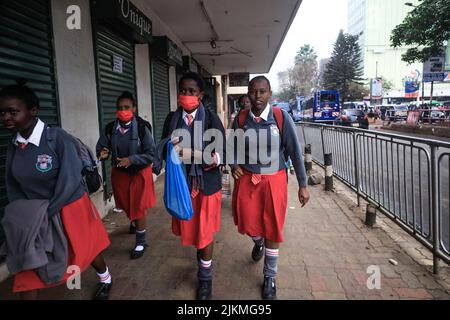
{"x": 44, "y": 163}
{"x": 274, "y": 130}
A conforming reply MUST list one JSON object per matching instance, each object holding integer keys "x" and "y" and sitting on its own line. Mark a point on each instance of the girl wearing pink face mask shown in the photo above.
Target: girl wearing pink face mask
{"x": 203, "y": 177}
{"x": 129, "y": 141}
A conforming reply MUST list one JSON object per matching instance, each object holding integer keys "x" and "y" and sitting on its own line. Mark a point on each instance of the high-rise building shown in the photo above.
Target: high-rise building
{"x": 373, "y": 21}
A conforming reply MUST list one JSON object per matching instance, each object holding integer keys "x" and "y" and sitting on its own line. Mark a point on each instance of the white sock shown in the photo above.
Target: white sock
{"x": 205, "y": 264}
{"x": 139, "y": 247}
{"x": 105, "y": 277}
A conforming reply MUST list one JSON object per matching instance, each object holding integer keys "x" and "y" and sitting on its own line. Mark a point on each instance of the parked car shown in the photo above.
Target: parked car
{"x": 397, "y": 113}
{"x": 361, "y": 105}
{"x": 353, "y": 118}
{"x": 446, "y": 105}
{"x": 436, "y": 114}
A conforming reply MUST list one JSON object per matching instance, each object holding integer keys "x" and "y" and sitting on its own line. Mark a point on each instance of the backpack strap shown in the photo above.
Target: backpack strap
{"x": 208, "y": 119}
{"x": 51, "y": 139}
{"x": 142, "y": 124}
{"x": 109, "y": 130}
{"x": 141, "y": 130}
{"x": 242, "y": 116}
{"x": 278, "y": 114}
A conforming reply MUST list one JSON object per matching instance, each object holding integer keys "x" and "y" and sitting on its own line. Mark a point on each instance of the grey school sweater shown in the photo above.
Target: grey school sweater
{"x": 140, "y": 153}
{"x": 265, "y": 149}
{"x": 40, "y": 173}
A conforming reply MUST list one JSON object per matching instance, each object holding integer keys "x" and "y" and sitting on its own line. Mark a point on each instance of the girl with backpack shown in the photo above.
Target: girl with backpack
{"x": 202, "y": 174}
{"x": 260, "y": 192}
{"x": 37, "y": 171}
{"x": 129, "y": 142}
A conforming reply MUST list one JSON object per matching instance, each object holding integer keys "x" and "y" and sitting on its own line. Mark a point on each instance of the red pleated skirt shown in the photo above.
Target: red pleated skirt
{"x": 260, "y": 210}
{"x": 134, "y": 194}
{"x": 200, "y": 230}
{"x": 86, "y": 238}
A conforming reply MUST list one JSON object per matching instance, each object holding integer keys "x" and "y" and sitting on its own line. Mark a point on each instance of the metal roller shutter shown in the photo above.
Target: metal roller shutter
{"x": 161, "y": 96}
{"x": 26, "y": 51}
{"x": 111, "y": 84}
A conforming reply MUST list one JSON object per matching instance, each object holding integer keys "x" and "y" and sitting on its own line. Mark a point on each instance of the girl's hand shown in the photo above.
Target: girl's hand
{"x": 104, "y": 154}
{"x": 123, "y": 162}
{"x": 237, "y": 172}
{"x": 303, "y": 196}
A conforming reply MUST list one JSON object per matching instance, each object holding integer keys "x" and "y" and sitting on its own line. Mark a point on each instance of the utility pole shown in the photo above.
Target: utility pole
{"x": 431, "y": 94}
{"x": 376, "y": 74}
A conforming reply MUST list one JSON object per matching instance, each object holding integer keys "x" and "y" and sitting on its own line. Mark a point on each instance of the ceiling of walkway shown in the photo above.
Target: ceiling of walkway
{"x": 247, "y": 34}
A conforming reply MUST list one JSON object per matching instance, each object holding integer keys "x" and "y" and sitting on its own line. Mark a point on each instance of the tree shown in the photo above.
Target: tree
{"x": 287, "y": 86}
{"x": 426, "y": 28}
{"x": 344, "y": 71}
{"x": 302, "y": 78}
{"x": 357, "y": 92}
{"x": 387, "y": 84}
{"x": 305, "y": 71}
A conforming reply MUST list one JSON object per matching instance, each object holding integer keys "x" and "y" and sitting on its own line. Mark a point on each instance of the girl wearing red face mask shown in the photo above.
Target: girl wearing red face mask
{"x": 203, "y": 177}
{"x": 129, "y": 141}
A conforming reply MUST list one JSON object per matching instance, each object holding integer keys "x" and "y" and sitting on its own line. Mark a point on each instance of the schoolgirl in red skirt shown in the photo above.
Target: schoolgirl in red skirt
{"x": 35, "y": 170}
{"x": 129, "y": 142}
{"x": 203, "y": 177}
{"x": 260, "y": 193}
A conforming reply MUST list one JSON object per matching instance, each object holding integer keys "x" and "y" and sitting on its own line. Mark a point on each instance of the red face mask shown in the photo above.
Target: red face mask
{"x": 125, "y": 115}
{"x": 189, "y": 103}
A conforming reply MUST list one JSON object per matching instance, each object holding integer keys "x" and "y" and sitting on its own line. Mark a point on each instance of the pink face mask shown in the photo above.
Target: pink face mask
{"x": 189, "y": 103}
{"x": 125, "y": 115}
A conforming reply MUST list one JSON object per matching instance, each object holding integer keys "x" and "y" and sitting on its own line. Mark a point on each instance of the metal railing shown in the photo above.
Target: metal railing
{"x": 407, "y": 178}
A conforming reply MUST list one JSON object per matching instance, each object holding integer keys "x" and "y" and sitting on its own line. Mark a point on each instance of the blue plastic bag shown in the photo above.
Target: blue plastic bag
{"x": 177, "y": 197}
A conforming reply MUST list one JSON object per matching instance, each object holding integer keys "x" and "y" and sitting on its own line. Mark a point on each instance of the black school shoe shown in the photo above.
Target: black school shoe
{"x": 269, "y": 290}
{"x": 204, "y": 291}
{"x": 103, "y": 291}
{"x": 257, "y": 252}
{"x": 137, "y": 254}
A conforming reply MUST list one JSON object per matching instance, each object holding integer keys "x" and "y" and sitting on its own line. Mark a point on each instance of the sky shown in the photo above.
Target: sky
{"x": 317, "y": 23}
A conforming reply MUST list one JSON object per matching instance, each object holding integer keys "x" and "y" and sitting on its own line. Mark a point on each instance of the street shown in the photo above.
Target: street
{"x": 393, "y": 172}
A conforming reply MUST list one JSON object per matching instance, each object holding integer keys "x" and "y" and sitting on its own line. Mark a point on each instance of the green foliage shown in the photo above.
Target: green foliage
{"x": 306, "y": 54}
{"x": 426, "y": 28}
{"x": 387, "y": 84}
{"x": 302, "y": 78}
{"x": 344, "y": 72}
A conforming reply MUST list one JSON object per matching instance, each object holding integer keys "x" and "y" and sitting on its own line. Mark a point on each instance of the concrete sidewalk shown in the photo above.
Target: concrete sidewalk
{"x": 326, "y": 255}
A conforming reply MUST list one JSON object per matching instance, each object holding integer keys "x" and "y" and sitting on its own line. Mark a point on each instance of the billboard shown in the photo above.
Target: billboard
{"x": 433, "y": 69}
{"x": 376, "y": 88}
{"x": 412, "y": 89}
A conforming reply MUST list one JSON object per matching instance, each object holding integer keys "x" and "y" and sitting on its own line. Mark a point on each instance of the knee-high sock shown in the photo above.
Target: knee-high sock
{"x": 205, "y": 270}
{"x": 271, "y": 263}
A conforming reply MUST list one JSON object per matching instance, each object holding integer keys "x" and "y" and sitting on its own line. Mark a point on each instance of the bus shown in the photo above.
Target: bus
{"x": 323, "y": 107}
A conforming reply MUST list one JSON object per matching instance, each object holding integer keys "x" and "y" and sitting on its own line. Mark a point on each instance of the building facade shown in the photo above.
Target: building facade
{"x": 80, "y": 55}
{"x": 373, "y": 21}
